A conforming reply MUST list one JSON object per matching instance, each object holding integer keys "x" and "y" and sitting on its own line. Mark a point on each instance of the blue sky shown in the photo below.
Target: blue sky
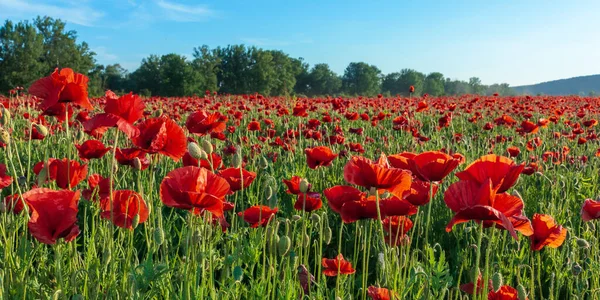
{"x": 513, "y": 41}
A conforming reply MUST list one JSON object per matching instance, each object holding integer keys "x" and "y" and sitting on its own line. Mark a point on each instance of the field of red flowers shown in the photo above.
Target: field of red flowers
{"x": 251, "y": 197}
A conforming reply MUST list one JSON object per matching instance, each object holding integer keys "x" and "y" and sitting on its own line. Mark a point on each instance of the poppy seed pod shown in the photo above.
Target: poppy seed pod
{"x": 263, "y": 163}
{"x": 41, "y": 129}
{"x": 497, "y": 281}
{"x": 195, "y": 151}
{"x": 304, "y": 185}
{"x": 583, "y": 243}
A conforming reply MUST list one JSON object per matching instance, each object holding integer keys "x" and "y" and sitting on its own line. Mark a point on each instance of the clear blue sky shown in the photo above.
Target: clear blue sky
{"x": 513, "y": 41}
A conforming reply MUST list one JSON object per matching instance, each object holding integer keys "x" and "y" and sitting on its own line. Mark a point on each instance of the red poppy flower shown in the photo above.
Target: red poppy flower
{"x": 161, "y": 135}
{"x": 319, "y": 156}
{"x": 235, "y": 177}
{"x": 258, "y": 215}
{"x": 58, "y": 171}
{"x": 202, "y": 123}
{"x": 402, "y": 160}
{"x": 91, "y": 149}
{"x": 419, "y": 192}
{"x": 377, "y": 293}
{"x": 338, "y": 195}
{"x": 53, "y": 214}
{"x": 120, "y": 112}
{"x": 546, "y": 233}
{"x": 14, "y": 203}
{"x": 433, "y": 165}
{"x": 336, "y": 266}
{"x": 98, "y": 188}
{"x": 501, "y": 170}
{"x": 194, "y": 189}
{"x": 504, "y": 293}
{"x": 213, "y": 162}
{"x": 590, "y": 210}
{"x": 254, "y": 126}
{"x": 293, "y": 185}
{"x": 5, "y": 179}
{"x": 469, "y": 287}
{"x": 310, "y": 203}
{"x": 126, "y": 157}
{"x": 379, "y": 175}
{"x": 125, "y": 206}
{"x": 470, "y": 200}
{"x": 513, "y": 151}
{"x": 63, "y": 86}
{"x": 411, "y": 89}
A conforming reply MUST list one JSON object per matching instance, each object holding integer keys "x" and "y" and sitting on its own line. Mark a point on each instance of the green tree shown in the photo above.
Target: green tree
{"x": 323, "y": 81}
{"x": 148, "y": 75}
{"x": 399, "y": 83}
{"x": 207, "y": 64}
{"x": 434, "y": 84}
{"x": 361, "y": 79}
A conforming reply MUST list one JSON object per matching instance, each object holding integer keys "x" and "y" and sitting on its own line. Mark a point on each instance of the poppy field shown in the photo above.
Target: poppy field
{"x": 253, "y": 197}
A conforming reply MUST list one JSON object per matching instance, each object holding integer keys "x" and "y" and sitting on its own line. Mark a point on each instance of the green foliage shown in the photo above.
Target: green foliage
{"x": 399, "y": 83}
{"x": 434, "y": 84}
{"x": 361, "y": 79}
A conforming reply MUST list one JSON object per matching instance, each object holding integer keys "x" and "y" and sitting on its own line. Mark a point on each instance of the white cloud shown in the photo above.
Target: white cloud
{"x": 77, "y": 13}
{"x": 184, "y": 13}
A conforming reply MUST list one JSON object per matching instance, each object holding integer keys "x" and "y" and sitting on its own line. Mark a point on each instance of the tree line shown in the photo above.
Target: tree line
{"x": 30, "y": 50}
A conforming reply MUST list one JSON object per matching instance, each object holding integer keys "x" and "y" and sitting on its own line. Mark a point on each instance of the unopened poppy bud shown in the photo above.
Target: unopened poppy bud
{"x": 159, "y": 236}
{"x": 521, "y": 292}
{"x": 315, "y": 218}
{"x": 497, "y": 281}
{"x": 136, "y": 221}
{"x": 115, "y": 167}
{"x": 576, "y": 269}
{"x": 269, "y": 192}
{"x": 238, "y": 274}
{"x": 284, "y": 245}
{"x": 207, "y": 146}
{"x": 5, "y": 118}
{"x": 41, "y": 129}
{"x": 80, "y": 135}
{"x": 2, "y": 206}
{"x": 263, "y": 163}
{"x": 296, "y": 217}
{"x": 137, "y": 163}
{"x": 236, "y": 161}
{"x": 328, "y": 235}
{"x": 195, "y": 151}
{"x": 583, "y": 243}
{"x": 4, "y": 136}
{"x": 304, "y": 185}
{"x": 42, "y": 176}
{"x": 158, "y": 113}
{"x": 106, "y": 256}
{"x": 306, "y": 241}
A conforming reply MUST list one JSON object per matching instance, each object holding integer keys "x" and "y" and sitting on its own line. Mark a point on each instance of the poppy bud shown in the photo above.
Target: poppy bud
{"x": 115, "y": 166}
{"x": 43, "y": 175}
{"x": 5, "y": 116}
{"x": 106, "y": 256}
{"x": 207, "y": 147}
{"x": 583, "y": 243}
{"x": 158, "y": 113}
{"x": 263, "y": 163}
{"x": 41, "y": 129}
{"x": 238, "y": 274}
{"x": 284, "y": 245}
{"x": 159, "y": 236}
{"x": 136, "y": 221}
{"x": 137, "y": 163}
{"x": 521, "y": 292}
{"x": 315, "y": 218}
{"x": 2, "y": 206}
{"x": 306, "y": 241}
{"x": 304, "y": 185}
{"x": 576, "y": 269}
{"x": 195, "y": 151}
{"x": 328, "y": 235}
{"x": 4, "y": 136}
{"x": 497, "y": 281}
{"x": 381, "y": 261}
{"x": 296, "y": 217}
{"x": 80, "y": 135}
{"x": 236, "y": 161}
{"x": 269, "y": 192}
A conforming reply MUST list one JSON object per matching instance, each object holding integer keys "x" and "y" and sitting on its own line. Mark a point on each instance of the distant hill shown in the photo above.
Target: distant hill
{"x": 581, "y": 85}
